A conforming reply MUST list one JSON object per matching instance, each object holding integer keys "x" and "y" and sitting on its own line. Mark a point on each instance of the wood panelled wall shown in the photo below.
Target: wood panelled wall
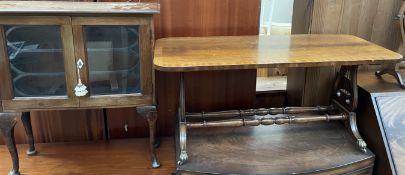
{"x": 373, "y": 20}
{"x": 205, "y": 91}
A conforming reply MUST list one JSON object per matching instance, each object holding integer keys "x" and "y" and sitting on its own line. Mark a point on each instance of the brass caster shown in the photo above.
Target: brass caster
{"x": 182, "y": 158}
{"x": 362, "y": 145}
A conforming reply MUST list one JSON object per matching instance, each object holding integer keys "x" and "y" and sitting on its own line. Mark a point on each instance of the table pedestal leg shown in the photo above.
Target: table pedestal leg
{"x": 26, "y": 119}
{"x": 346, "y": 98}
{"x": 183, "y": 146}
{"x": 7, "y": 123}
{"x": 183, "y": 156}
{"x": 353, "y": 126}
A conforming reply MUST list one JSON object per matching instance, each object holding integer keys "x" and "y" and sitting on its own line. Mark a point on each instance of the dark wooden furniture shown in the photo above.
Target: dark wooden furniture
{"x": 382, "y": 121}
{"x": 251, "y": 52}
{"x": 371, "y": 20}
{"x": 74, "y": 55}
{"x": 298, "y": 148}
{"x": 393, "y": 69}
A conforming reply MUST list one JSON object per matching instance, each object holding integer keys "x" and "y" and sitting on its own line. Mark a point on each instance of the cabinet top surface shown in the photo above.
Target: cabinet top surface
{"x": 63, "y": 7}
{"x": 184, "y": 54}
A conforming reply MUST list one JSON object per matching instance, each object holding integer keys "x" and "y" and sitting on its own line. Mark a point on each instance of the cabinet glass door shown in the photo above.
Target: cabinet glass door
{"x": 113, "y": 59}
{"x": 36, "y": 60}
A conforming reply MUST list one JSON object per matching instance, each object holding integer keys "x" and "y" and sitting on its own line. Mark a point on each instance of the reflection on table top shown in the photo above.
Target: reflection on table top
{"x": 184, "y": 54}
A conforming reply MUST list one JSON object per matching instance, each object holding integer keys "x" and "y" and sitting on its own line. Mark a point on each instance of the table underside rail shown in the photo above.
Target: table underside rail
{"x": 266, "y": 121}
{"x": 260, "y": 112}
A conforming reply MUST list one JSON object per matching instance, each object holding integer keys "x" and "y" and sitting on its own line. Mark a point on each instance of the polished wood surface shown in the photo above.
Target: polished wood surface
{"x": 126, "y": 122}
{"x": 318, "y": 148}
{"x": 207, "y": 18}
{"x": 251, "y": 52}
{"x": 41, "y": 7}
{"x": 116, "y": 157}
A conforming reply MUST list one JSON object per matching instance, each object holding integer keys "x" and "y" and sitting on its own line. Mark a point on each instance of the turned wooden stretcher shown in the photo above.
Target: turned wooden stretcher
{"x": 251, "y": 52}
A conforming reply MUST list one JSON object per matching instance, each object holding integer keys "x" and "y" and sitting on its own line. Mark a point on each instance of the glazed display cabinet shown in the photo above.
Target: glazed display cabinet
{"x": 74, "y": 55}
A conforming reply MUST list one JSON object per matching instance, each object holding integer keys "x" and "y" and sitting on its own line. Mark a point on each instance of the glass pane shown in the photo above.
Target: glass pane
{"x": 36, "y": 60}
{"x": 113, "y": 54}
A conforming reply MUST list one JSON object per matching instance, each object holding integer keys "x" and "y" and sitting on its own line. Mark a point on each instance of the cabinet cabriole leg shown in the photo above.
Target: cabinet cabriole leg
{"x": 150, "y": 114}
{"x": 7, "y": 123}
{"x": 26, "y": 119}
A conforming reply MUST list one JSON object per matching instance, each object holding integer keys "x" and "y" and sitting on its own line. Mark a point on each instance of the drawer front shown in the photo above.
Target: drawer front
{"x": 392, "y": 118}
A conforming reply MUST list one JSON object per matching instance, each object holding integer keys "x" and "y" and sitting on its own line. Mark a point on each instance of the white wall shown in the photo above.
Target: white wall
{"x": 275, "y": 13}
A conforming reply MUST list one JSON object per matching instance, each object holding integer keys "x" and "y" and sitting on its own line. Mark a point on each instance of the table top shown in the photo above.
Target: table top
{"x": 60, "y": 7}
{"x": 183, "y": 54}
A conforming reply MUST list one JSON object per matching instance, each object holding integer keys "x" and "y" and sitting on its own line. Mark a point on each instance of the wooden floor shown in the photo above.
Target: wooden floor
{"x": 129, "y": 156}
